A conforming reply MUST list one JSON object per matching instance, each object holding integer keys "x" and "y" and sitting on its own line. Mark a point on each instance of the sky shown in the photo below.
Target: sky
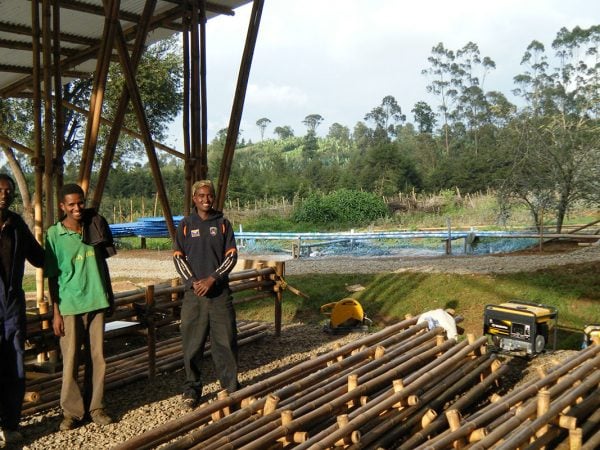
{"x": 340, "y": 58}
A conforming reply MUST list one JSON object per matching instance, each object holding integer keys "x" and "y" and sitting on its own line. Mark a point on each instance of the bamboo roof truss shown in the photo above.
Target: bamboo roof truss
{"x": 44, "y": 44}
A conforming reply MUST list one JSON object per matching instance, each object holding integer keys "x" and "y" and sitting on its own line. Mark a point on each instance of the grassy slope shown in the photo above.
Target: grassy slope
{"x": 573, "y": 290}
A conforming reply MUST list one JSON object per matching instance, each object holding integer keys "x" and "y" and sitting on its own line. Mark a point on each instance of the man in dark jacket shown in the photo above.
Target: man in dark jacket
{"x": 204, "y": 255}
{"x": 16, "y": 244}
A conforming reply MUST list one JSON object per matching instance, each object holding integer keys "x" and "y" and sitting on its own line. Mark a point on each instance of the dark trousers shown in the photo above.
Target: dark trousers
{"x": 201, "y": 317}
{"x": 12, "y": 376}
{"x": 83, "y": 340}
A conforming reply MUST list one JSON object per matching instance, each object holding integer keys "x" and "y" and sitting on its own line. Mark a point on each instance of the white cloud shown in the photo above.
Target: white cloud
{"x": 274, "y": 95}
{"x": 339, "y": 58}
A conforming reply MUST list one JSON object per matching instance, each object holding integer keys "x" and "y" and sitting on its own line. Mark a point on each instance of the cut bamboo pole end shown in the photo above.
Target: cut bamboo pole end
{"x": 429, "y": 416}
{"x": 567, "y": 422}
{"x": 477, "y": 435}
{"x": 342, "y": 421}
{"x": 397, "y": 386}
{"x": 247, "y": 401}
{"x": 32, "y": 396}
{"x": 352, "y": 384}
{"x": 270, "y": 404}
{"x": 379, "y": 352}
{"x": 575, "y": 439}
{"x": 543, "y": 404}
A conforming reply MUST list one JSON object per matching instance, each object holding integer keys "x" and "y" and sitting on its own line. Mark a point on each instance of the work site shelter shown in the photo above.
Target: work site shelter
{"x": 45, "y": 44}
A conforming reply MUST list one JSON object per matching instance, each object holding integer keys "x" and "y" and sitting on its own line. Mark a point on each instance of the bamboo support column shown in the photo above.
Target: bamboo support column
{"x": 187, "y": 196}
{"x": 203, "y": 166}
{"x": 48, "y": 113}
{"x": 142, "y": 120}
{"x": 37, "y": 161}
{"x": 195, "y": 107}
{"x": 238, "y": 103}
{"x": 59, "y": 138}
{"x": 111, "y": 21}
{"x": 117, "y": 125}
{"x": 151, "y": 332}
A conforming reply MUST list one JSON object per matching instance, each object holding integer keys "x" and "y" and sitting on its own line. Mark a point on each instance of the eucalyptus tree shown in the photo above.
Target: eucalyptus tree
{"x": 312, "y": 121}
{"x": 339, "y": 133}
{"x": 424, "y": 117}
{"x": 262, "y": 124}
{"x": 469, "y": 74}
{"x": 386, "y": 117}
{"x": 557, "y": 157}
{"x": 441, "y": 66}
{"x": 284, "y": 132}
{"x": 457, "y": 78}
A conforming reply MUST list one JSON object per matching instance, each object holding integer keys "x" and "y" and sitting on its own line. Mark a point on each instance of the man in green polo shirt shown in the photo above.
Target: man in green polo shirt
{"x": 78, "y": 287}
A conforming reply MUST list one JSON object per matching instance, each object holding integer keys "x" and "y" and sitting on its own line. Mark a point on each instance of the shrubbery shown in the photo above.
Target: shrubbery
{"x": 341, "y": 207}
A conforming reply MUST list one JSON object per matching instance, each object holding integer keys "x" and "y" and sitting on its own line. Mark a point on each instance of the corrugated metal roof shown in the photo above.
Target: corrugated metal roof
{"x": 81, "y": 27}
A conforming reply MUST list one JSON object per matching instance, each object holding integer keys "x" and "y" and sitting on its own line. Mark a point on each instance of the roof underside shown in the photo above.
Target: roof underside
{"x": 81, "y": 30}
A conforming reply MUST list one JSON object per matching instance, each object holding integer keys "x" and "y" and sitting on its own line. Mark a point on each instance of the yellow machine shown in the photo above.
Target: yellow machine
{"x": 344, "y": 316}
{"x": 521, "y": 326}
{"x": 590, "y": 332}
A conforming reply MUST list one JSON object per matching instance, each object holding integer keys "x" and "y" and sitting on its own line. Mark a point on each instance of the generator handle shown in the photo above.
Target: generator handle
{"x": 327, "y": 307}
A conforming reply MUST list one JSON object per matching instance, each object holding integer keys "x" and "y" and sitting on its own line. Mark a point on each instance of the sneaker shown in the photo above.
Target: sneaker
{"x": 190, "y": 400}
{"x": 99, "y": 417}
{"x": 9, "y": 437}
{"x": 68, "y": 423}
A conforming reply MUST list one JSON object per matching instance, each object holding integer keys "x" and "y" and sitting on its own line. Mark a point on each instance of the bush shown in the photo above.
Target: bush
{"x": 341, "y": 207}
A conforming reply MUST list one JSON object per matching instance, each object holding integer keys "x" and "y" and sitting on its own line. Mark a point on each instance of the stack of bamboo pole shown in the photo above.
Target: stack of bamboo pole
{"x": 558, "y": 410}
{"x": 44, "y": 390}
{"x": 404, "y": 387}
{"x": 373, "y": 392}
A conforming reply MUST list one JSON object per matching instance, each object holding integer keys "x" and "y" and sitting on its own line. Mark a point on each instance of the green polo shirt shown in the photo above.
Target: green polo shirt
{"x": 80, "y": 284}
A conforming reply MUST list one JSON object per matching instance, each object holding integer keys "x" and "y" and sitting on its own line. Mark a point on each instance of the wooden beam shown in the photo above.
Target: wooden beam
{"x": 203, "y": 95}
{"x": 195, "y": 90}
{"x": 37, "y": 162}
{"x": 4, "y": 139}
{"x": 48, "y": 113}
{"x": 29, "y": 71}
{"x": 238, "y": 102}
{"x": 129, "y": 131}
{"x": 93, "y": 124}
{"x": 186, "y": 117}
{"x": 138, "y": 107}
{"x": 59, "y": 149}
{"x": 212, "y": 7}
{"x": 121, "y": 110}
{"x": 24, "y": 30}
{"x": 26, "y": 46}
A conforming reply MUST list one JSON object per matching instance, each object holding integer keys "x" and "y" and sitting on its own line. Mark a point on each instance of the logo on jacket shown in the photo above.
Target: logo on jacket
{"x": 196, "y": 233}
{"x": 213, "y": 231}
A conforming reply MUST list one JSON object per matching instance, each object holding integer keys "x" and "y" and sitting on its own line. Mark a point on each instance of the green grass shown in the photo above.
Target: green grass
{"x": 573, "y": 290}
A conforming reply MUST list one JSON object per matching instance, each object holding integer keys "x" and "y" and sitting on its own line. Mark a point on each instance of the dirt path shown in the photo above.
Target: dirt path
{"x": 140, "y": 266}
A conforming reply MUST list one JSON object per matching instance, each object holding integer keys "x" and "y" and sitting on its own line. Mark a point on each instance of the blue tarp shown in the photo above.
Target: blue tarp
{"x": 144, "y": 227}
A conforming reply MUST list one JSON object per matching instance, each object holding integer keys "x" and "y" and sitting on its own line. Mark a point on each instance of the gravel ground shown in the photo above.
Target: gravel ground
{"x": 144, "y": 405}
{"x": 157, "y": 265}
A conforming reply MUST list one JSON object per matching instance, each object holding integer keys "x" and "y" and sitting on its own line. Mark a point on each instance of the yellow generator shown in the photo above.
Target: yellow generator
{"x": 345, "y": 316}
{"x": 521, "y": 326}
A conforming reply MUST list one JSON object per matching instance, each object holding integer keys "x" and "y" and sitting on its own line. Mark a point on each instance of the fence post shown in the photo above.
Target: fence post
{"x": 449, "y": 238}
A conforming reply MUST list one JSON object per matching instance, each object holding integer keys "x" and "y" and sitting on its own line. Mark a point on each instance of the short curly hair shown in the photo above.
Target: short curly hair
{"x": 203, "y": 183}
{"x": 71, "y": 188}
